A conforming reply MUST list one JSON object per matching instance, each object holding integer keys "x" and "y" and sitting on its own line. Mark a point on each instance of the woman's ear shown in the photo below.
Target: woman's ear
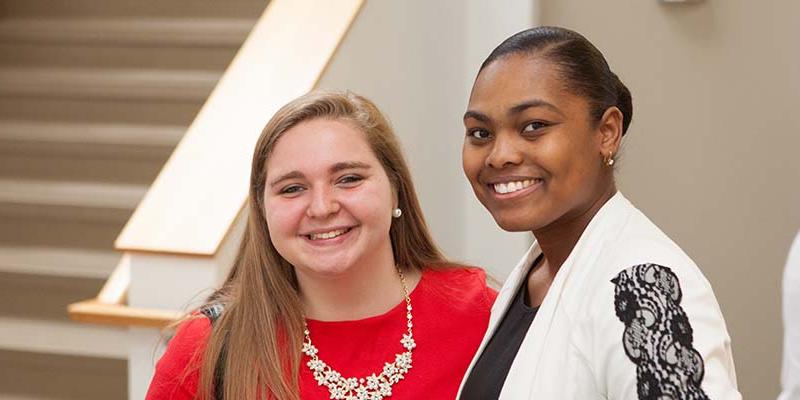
{"x": 395, "y": 193}
{"x": 609, "y": 129}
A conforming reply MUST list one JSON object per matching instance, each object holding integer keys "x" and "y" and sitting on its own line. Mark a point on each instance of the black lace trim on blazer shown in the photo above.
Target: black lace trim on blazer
{"x": 658, "y": 337}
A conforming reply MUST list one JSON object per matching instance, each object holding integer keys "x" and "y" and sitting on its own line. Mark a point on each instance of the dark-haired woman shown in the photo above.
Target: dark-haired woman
{"x": 604, "y": 305}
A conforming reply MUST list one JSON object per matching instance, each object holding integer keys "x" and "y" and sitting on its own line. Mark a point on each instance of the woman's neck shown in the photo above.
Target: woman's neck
{"x": 368, "y": 289}
{"x": 558, "y": 239}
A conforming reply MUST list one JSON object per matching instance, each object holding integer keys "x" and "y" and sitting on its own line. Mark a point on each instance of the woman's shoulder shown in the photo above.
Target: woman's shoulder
{"x": 465, "y": 276}
{"x": 189, "y": 339}
{"x": 454, "y": 271}
{"x": 176, "y": 374}
{"x": 642, "y": 258}
{"x": 634, "y": 303}
{"x": 190, "y": 334}
{"x": 644, "y": 293}
{"x": 460, "y": 285}
{"x": 639, "y": 242}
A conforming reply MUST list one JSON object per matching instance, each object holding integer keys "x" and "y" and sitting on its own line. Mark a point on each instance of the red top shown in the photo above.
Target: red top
{"x": 451, "y": 312}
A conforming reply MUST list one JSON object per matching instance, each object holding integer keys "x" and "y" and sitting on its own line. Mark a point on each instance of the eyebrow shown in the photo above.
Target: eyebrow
{"x": 516, "y": 109}
{"x": 476, "y": 115}
{"x": 340, "y": 166}
{"x": 532, "y": 104}
{"x": 286, "y": 176}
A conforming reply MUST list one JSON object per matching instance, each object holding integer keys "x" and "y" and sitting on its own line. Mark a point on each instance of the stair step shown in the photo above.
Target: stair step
{"x": 87, "y": 139}
{"x": 43, "y": 297}
{"x": 21, "y": 54}
{"x": 58, "y": 262}
{"x": 153, "y": 32}
{"x": 131, "y": 165}
{"x": 91, "y": 231}
{"x": 62, "y": 337}
{"x": 69, "y": 201}
{"x": 37, "y": 376}
{"x": 62, "y": 214}
{"x": 71, "y": 194}
{"x": 134, "y": 43}
{"x": 108, "y": 84}
{"x": 36, "y": 150}
{"x": 54, "y": 109}
{"x": 135, "y": 8}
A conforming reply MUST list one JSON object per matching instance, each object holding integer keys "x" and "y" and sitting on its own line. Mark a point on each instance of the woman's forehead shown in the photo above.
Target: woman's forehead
{"x": 513, "y": 81}
{"x": 319, "y": 144}
{"x": 515, "y": 78}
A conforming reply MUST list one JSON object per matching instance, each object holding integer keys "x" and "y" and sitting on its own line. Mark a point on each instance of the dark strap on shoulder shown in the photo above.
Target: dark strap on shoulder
{"x": 213, "y": 311}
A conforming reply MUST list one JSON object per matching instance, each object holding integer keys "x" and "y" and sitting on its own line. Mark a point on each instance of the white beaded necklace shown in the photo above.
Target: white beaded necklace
{"x": 373, "y": 387}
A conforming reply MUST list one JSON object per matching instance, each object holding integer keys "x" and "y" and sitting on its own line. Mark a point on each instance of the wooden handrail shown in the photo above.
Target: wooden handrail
{"x": 97, "y": 312}
{"x": 196, "y": 197}
{"x": 109, "y": 307}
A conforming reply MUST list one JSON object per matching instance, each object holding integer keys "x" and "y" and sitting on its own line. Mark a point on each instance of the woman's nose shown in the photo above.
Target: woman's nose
{"x": 504, "y": 153}
{"x": 323, "y": 203}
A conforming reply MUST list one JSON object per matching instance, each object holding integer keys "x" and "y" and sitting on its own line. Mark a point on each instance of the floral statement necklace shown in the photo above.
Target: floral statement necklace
{"x": 373, "y": 387}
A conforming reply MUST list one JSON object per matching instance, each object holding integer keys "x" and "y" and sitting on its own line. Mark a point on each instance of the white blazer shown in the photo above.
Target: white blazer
{"x": 613, "y": 324}
{"x": 790, "y": 373}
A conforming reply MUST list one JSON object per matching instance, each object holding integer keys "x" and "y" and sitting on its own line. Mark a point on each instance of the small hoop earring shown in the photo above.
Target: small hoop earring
{"x": 397, "y": 213}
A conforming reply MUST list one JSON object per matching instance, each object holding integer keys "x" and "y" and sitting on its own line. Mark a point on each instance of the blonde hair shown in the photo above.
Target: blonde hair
{"x": 262, "y": 322}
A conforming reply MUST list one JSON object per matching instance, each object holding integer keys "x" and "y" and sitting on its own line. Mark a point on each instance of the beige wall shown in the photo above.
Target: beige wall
{"x": 712, "y": 152}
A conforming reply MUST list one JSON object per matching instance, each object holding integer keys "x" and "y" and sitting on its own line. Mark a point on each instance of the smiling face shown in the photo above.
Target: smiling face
{"x": 328, "y": 201}
{"x": 532, "y": 153}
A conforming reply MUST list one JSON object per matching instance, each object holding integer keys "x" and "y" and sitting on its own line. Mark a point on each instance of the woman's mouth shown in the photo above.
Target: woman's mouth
{"x": 332, "y": 234}
{"x": 514, "y": 186}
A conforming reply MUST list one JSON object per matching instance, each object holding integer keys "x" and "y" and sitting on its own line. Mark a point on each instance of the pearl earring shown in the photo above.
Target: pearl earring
{"x": 610, "y": 160}
{"x": 397, "y": 212}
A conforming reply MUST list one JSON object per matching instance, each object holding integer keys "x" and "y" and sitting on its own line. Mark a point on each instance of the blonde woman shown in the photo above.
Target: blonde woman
{"x": 338, "y": 290}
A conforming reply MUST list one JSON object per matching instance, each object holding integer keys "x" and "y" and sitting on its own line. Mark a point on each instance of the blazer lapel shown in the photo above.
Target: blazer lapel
{"x": 503, "y": 301}
{"x": 520, "y": 381}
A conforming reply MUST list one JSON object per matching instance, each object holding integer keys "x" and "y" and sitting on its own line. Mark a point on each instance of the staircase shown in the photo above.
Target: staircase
{"x": 94, "y": 95}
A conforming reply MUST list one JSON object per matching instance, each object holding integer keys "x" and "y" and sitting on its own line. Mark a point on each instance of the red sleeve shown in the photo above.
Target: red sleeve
{"x": 489, "y": 293}
{"x": 177, "y": 372}
{"x": 491, "y": 296}
{"x": 471, "y": 286}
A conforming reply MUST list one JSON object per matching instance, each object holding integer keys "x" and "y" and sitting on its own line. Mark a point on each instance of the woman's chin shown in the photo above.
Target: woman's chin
{"x": 324, "y": 265}
{"x": 513, "y": 226}
{"x": 512, "y": 222}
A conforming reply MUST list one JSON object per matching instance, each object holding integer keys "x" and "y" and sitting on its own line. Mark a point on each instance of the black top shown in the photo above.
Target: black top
{"x": 489, "y": 373}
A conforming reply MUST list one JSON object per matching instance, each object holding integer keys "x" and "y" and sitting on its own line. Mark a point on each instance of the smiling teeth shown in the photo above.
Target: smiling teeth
{"x": 511, "y": 187}
{"x": 327, "y": 235}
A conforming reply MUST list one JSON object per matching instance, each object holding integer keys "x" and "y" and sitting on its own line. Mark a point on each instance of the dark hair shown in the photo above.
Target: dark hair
{"x": 585, "y": 70}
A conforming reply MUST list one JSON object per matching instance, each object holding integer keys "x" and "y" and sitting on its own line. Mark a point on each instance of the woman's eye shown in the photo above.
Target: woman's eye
{"x": 534, "y": 126}
{"x": 479, "y": 134}
{"x": 291, "y": 189}
{"x": 350, "y": 179}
